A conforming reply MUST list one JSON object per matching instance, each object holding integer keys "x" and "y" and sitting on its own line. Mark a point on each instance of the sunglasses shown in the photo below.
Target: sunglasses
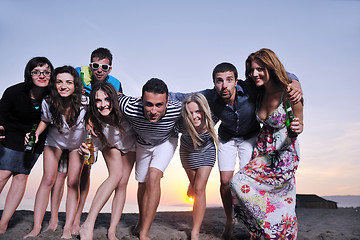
{"x": 104, "y": 67}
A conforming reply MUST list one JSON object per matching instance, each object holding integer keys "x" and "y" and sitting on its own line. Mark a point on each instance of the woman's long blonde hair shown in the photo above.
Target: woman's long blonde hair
{"x": 201, "y": 101}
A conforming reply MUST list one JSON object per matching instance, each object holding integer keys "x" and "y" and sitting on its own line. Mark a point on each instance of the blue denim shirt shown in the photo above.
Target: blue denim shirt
{"x": 237, "y": 121}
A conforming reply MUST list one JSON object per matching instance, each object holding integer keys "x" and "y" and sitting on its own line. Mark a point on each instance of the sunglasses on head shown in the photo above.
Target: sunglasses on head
{"x": 104, "y": 67}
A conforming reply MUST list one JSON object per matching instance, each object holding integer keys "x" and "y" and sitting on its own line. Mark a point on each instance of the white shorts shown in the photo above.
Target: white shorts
{"x": 153, "y": 156}
{"x": 228, "y": 150}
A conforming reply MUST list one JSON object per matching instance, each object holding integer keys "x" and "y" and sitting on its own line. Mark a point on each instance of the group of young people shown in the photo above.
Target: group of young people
{"x": 65, "y": 101}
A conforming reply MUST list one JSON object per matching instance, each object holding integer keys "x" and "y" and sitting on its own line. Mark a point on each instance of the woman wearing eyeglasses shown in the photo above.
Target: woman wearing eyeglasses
{"x": 19, "y": 111}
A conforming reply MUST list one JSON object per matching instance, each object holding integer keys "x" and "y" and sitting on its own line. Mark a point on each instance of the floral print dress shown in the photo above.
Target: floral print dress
{"x": 264, "y": 190}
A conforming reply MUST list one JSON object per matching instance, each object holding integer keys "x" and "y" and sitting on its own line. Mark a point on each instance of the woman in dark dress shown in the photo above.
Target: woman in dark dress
{"x": 19, "y": 111}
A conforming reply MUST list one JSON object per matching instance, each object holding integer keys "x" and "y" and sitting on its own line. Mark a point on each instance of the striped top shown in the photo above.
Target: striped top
{"x": 150, "y": 133}
{"x": 204, "y": 155}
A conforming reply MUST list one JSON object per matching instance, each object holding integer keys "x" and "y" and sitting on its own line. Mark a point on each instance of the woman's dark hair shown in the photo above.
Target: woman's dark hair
{"x": 56, "y": 102}
{"x": 96, "y": 119}
{"x": 33, "y": 63}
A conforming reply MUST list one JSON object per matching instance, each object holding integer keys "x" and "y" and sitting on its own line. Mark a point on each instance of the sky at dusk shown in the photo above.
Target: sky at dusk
{"x": 181, "y": 42}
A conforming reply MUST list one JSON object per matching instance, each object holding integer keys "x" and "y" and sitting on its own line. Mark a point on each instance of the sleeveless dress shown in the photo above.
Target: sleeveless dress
{"x": 264, "y": 191}
{"x": 203, "y": 156}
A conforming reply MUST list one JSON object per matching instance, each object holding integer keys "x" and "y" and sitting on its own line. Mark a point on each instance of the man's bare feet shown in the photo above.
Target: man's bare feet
{"x": 3, "y": 230}
{"x": 136, "y": 230}
{"x": 228, "y": 231}
{"x": 85, "y": 233}
{"x": 194, "y": 235}
{"x": 66, "y": 234}
{"x": 111, "y": 235}
{"x": 75, "y": 229}
{"x": 33, "y": 233}
{"x": 52, "y": 226}
{"x": 144, "y": 237}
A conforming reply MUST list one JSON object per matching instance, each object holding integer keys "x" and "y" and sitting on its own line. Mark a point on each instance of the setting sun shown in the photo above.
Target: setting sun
{"x": 189, "y": 199}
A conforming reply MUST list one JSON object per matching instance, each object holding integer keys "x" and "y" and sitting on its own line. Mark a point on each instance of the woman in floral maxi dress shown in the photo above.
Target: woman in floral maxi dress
{"x": 264, "y": 190}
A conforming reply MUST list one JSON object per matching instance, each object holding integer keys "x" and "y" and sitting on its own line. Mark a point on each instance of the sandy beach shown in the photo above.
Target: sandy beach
{"x": 324, "y": 224}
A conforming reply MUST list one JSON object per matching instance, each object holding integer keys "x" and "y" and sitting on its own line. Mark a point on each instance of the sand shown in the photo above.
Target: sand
{"x": 322, "y": 224}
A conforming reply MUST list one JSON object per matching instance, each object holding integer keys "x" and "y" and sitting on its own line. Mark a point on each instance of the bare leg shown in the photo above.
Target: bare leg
{"x": 190, "y": 190}
{"x": 225, "y": 177}
{"x": 120, "y": 194}
{"x": 50, "y": 165}
{"x": 151, "y": 201}
{"x": 140, "y": 199}
{"x": 4, "y": 178}
{"x": 114, "y": 164}
{"x": 84, "y": 190}
{"x": 73, "y": 183}
{"x": 199, "y": 179}
{"x": 13, "y": 199}
{"x": 57, "y": 193}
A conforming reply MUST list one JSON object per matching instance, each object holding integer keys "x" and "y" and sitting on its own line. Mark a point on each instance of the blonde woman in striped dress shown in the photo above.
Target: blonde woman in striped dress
{"x": 197, "y": 152}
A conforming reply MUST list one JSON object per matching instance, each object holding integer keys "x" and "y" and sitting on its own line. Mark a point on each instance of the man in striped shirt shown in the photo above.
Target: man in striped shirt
{"x": 153, "y": 118}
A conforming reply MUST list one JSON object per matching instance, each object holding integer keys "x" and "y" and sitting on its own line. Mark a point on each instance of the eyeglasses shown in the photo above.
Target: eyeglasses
{"x": 37, "y": 73}
{"x": 104, "y": 67}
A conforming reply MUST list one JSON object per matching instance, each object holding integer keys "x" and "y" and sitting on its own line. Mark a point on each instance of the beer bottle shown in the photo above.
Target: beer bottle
{"x": 89, "y": 157}
{"x": 30, "y": 146}
{"x": 288, "y": 119}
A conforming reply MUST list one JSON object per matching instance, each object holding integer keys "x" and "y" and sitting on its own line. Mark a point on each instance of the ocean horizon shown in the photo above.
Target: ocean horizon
{"x": 343, "y": 201}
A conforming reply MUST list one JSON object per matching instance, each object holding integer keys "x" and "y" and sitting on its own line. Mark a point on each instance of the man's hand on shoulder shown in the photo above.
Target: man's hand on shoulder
{"x": 294, "y": 91}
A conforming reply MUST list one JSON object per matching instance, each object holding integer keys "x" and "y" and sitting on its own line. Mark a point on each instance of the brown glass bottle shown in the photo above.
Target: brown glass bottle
{"x": 89, "y": 157}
